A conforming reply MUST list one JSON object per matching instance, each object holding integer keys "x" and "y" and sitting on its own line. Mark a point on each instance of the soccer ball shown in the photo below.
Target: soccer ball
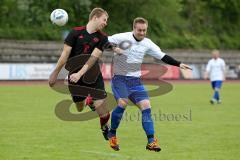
{"x": 59, "y": 17}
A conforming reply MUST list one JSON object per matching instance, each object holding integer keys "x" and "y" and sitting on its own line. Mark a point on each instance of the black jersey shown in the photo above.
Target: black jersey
{"x": 84, "y": 43}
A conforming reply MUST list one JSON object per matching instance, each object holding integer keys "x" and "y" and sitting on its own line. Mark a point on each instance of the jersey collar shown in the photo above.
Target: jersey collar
{"x": 136, "y": 38}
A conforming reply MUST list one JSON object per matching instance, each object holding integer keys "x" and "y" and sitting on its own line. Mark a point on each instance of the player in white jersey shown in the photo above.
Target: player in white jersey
{"x": 126, "y": 83}
{"x": 215, "y": 70}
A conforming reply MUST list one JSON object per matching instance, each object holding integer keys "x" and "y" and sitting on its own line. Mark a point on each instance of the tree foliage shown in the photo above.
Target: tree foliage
{"x": 172, "y": 24}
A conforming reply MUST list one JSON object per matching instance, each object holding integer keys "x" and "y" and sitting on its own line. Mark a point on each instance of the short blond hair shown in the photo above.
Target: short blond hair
{"x": 98, "y": 12}
{"x": 215, "y": 50}
{"x": 139, "y": 20}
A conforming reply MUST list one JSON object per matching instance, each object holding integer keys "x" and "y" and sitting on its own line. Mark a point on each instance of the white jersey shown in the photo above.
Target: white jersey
{"x": 216, "y": 69}
{"x": 129, "y": 63}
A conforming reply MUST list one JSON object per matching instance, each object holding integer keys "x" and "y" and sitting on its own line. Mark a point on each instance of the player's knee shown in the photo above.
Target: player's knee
{"x": 145, "y": 104}
{"x": 123, "y": 102}
{"x": 79, "y": 106}
{"x": 217, "y": 89}
{"x": 100, "y": 103}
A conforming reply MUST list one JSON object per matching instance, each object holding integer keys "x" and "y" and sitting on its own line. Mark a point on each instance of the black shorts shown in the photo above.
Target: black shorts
{"x": 80, "y": 90}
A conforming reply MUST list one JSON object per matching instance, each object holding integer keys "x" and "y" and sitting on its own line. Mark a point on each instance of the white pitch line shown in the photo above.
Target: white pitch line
{"x": 106, "y": 154}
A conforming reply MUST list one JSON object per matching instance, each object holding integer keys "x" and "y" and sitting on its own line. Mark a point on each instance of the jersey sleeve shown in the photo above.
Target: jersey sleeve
{"x": 71, "y": 38}
{"x": 155, "y": 51}
{"x": 116, "y": 38}
{"x": 103, "y": 43}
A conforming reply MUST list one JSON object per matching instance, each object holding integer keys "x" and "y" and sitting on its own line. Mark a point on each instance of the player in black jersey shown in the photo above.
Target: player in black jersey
{"x": 86, "y": 43}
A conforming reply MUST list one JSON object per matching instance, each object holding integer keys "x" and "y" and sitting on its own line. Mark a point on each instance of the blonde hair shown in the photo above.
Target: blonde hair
{"x": 215, "y": 51}
{"x": 139, "y": 20}
{"x": 98, "y": 12}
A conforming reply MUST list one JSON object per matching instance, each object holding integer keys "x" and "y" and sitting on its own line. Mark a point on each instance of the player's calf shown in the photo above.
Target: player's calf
{"x": 105, "y": 131}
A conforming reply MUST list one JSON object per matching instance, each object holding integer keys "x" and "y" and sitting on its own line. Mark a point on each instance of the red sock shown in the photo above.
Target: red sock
{"x": 104, "y": 119}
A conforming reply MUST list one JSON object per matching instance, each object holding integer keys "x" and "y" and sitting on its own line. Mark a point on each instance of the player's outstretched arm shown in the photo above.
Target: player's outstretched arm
{"x": 96, "y": 54}
{"x": 169, "y": 60}
{"x": 61, "y": 62}
{"x": 185, "y": 66}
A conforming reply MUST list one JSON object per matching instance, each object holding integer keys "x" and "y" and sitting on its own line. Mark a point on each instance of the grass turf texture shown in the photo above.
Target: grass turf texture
{"x": 31, "y": 131}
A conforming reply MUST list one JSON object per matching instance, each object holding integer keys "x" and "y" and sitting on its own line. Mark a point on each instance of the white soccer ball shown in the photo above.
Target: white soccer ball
{"x": 59, "y": 17}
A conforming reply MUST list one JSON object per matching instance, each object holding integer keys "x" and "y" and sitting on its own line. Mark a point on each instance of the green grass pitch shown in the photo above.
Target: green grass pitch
{"x": 187, "y": 126}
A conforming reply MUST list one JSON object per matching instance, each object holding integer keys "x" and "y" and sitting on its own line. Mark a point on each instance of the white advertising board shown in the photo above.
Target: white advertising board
{"x": 27, "y": 71}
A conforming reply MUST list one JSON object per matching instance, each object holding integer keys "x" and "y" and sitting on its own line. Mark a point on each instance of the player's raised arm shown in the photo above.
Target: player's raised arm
{"x": 61, "y": 62}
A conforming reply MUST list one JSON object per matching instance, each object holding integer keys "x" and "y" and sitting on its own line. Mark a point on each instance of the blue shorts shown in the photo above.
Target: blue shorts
{"x": 128, "y": 87}
{"x": 216, "y": 84}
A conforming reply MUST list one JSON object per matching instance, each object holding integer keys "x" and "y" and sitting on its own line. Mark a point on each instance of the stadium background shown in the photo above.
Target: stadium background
{"x": 185, "y": 29}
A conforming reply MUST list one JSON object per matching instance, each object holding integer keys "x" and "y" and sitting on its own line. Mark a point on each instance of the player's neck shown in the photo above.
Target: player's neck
{"x": 91, "y": 28}
{"x": 138, "y": 40}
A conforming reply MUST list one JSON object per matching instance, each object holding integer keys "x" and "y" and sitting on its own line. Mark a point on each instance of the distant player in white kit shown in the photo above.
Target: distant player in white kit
{"x": 126, "y": 82}
{"x": 215, "y": 70}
